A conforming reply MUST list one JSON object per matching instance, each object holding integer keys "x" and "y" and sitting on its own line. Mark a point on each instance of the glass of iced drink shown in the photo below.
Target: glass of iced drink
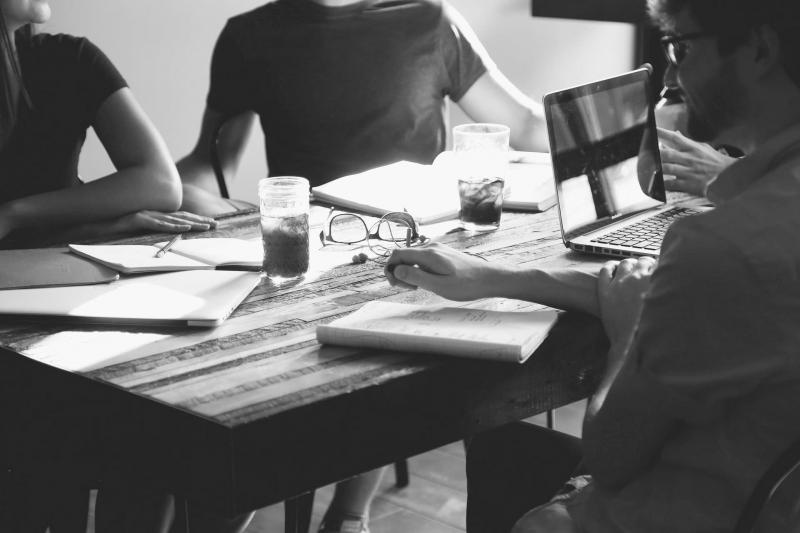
{"x": 284, "y": 226}
{"x": 481, "y": 164}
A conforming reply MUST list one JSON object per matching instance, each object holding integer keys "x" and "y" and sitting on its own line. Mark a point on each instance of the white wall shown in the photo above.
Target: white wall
{"x": 163, "y": 48}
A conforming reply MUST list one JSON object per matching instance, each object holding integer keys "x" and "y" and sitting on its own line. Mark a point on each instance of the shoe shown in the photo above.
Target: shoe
{"x": 344, "y": 526}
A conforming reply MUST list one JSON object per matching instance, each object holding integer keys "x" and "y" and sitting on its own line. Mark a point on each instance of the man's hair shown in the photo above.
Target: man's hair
{"x": 733, "y": 20}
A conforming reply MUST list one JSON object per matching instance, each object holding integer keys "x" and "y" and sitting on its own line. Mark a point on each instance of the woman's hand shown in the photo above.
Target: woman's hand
{"x": 157, "y": 221}
{"x": 621, "y": 288}
{"x": 695, "y": 165}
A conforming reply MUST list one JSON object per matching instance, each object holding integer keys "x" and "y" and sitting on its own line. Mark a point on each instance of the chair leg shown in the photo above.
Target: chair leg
{"x": 551, "y": 418}
{"x": 297, "y": 512}
{"x": 401, "y": 473}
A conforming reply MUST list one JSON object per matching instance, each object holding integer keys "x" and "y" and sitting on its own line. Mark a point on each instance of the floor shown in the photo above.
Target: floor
{"x": 434, "y": 502}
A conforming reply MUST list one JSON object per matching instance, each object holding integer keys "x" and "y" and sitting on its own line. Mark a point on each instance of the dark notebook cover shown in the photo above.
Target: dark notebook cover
{"x": 49, "y": 267}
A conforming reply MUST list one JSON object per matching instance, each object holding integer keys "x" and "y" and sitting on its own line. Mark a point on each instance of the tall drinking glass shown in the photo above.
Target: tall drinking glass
{"x": 284, "y": 226}
{"x": 481, "y": 164}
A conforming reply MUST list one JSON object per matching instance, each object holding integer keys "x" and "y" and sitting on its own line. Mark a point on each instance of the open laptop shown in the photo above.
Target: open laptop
{"x": 607, "y": 167}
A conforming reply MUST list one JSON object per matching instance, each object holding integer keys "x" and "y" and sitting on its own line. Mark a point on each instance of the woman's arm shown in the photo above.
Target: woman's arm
{"x": 146, "y": 178}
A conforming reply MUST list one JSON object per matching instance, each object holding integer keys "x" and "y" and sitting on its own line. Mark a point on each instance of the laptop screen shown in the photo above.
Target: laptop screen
{"x": 604, "y": 147}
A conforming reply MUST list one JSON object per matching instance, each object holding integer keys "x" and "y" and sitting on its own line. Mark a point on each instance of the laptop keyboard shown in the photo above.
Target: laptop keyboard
{"x": 646, "y": 234}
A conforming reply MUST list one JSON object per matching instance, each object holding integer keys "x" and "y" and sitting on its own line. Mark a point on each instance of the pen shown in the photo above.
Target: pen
{"x": 164, "y": 249}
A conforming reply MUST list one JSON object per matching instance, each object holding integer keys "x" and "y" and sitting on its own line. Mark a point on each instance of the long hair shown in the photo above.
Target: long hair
{"x": 12, "y": 88}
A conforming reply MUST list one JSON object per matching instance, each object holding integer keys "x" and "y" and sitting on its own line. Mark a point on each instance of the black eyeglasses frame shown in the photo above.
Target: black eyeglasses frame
{"x": 670, "y": 45}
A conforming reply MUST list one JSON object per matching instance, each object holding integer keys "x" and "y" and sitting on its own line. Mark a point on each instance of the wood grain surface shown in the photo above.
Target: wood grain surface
{"x": 254, "y": 411}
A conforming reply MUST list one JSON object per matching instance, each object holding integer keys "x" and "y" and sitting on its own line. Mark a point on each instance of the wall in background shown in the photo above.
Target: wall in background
{"x": 163, "y": 48}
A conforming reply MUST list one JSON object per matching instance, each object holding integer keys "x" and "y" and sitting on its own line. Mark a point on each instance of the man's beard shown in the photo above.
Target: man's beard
{"x": 719, "y": 108}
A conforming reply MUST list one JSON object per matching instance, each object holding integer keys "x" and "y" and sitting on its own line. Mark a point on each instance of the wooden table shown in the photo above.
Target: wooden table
{"x": 255, "y": 411}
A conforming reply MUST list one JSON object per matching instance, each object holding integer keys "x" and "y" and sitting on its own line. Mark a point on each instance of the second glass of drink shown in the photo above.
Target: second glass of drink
{"x": 481, "y": 158}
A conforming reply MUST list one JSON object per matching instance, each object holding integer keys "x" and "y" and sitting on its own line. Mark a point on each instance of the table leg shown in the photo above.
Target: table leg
{"x": 297, "y": 511}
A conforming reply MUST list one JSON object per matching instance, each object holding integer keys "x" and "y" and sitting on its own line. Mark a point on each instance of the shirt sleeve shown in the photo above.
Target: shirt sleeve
{"x": 461, "y": 58}
{"x": 98, "y": 78}
{"x": 229, "y": 88}
{"x": 706, "y": 331}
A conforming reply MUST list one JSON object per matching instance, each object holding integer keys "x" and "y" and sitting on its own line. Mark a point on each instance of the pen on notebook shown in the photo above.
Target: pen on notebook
{"x": 164, "y": 249}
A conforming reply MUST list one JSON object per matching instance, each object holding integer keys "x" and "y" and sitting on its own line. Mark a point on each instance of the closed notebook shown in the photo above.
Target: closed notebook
{"x": 202, "y": 298}
{"x": 428, "y": 195}
{"x": 48, "y": 267}
{"x": 510, "y": 336}
{"x": 187, "y": 254}
{"x": 529, "y": 183}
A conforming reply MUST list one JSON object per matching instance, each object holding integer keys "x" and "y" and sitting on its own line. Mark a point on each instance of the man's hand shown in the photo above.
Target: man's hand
{"x": 157, "y": 221}
{"x": 695, "y": 165}
{"x": 440, "y": 269}
{"x": 621, "y": 288}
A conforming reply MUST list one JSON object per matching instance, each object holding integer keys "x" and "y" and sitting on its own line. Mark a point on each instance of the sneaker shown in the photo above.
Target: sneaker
{"x": 344, "y": 526}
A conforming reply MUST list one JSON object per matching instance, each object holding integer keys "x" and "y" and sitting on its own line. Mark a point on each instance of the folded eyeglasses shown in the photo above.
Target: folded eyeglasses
{"x": 396, "y": 229}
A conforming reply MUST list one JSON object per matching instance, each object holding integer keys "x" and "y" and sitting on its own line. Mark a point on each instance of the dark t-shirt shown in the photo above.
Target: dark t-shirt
{"x": 67, "y": 78}
{"x": 340, "y": 90}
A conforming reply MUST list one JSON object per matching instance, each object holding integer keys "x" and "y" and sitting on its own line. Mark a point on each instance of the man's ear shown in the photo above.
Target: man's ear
{"x": 767, "y": 49}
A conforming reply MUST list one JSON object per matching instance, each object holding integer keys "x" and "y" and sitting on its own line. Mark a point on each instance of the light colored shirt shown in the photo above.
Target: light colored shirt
{"x": 717, "y": 352}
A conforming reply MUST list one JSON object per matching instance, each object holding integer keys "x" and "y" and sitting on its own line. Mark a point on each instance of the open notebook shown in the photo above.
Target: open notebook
{"x": 202, "y": 298}
{"x": 187, "y": 254}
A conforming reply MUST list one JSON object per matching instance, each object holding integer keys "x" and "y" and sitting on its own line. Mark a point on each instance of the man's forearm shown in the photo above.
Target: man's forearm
{"x": 562, "y": 288}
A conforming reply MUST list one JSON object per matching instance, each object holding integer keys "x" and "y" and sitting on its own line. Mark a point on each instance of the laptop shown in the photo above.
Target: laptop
{"x": 607, "y": 167}
{"x": 196, "y": 298}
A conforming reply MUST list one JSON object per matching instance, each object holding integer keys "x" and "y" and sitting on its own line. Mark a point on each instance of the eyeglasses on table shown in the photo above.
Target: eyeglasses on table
{"x": 396, "y": 229}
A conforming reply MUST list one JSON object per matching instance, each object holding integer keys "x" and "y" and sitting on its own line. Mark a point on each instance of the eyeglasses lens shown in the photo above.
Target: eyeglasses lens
{"x": 392, "y": 230}
{"x": 347, "y": 229}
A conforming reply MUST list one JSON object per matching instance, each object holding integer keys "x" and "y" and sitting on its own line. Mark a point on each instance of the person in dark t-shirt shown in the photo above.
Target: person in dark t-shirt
{"x": 52, "y": 89}
{"x": 343, "y": 86}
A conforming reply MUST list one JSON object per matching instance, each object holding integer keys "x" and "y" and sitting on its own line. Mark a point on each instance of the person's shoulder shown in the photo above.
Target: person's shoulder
{"x": 58, "y": 43}
{"x": 62, "y": 48}
{"x": 422, "y": 15}
{"x": 270, "y": 12}
{"x": 423, "y": 6}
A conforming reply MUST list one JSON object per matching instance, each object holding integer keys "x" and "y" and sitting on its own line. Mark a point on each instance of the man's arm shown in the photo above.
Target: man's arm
{"x": 460, "y": 276}
{"x": 619, "y": 416}
{"x": 200, "y": 188}
{"x": 493, "y": 98}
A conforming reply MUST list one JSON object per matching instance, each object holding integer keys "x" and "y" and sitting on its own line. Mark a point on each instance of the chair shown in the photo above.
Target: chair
{"x": 297, "y": 510}
{"x": 774, "y": 504}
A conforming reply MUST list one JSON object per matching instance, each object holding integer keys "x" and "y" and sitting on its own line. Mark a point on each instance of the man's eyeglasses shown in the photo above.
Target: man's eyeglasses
{"x": 393, "y": 230}
{"x": 675, "y": 46}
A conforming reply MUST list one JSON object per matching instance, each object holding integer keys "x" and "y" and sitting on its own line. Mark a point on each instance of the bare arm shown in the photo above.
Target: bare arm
{"x": 493, "y": 98}
{"x": 201, "y": 191}
{"x": 459, "y": 276}
{"x": 145, "y": 176}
